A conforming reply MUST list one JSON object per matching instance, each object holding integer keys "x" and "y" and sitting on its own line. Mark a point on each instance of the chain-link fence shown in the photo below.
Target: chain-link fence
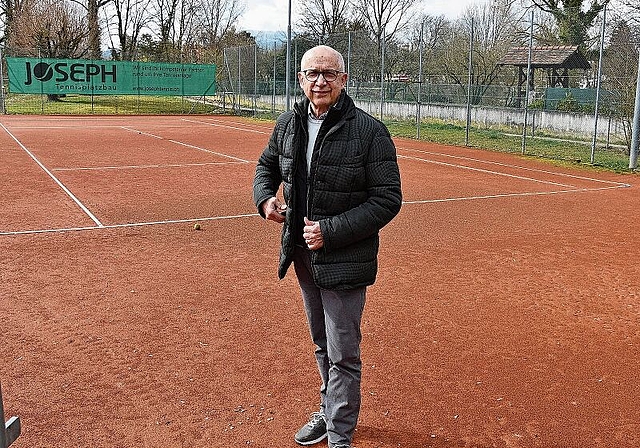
{"x": 402, "y": 81}
{"x": 561, "y": 100}
{"x": 94, "y": 103}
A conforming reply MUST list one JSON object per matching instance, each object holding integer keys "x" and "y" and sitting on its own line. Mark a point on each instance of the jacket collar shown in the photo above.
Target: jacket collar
{"x": 344, "y": 107}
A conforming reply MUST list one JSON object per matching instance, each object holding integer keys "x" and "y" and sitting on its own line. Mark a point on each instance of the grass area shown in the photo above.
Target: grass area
{"x": 104, "y": 105}
{"x": 553, "y": 148}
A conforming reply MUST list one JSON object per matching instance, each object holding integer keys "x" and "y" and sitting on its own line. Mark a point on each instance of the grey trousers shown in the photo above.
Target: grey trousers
{"x": 334, "y": 319}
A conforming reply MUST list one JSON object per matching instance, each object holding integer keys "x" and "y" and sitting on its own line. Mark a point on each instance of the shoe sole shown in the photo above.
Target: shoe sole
{"x": 312, "y": 442}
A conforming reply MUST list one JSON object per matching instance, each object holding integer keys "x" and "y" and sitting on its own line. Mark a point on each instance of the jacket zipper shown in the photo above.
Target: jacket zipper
{"x": 312, "y": 179}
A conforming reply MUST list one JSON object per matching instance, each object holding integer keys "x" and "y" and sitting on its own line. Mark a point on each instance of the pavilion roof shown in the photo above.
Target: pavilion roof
{"x": 557, "y": 56}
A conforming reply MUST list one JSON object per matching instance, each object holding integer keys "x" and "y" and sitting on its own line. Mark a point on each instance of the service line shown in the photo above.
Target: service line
{"x": 482, "y": 170}
{"x": 567, "y": 188}
{"x": 126, "y": 225}
{"x": 176, "y": 142}
{"x": 208, "y": 123}
{"x": 55, "y": 179}
{"x": 519, "y": 167}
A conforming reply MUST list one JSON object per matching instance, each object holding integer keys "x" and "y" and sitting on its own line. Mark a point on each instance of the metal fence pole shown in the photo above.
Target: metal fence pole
{"x": 418, "y": 111}
{"x": 41, "y": 88}
{"x": 295, "y": 64}
{"x": 2, "y": 108}
{"x": 597, "y": 108}
{"x": 526, "y": 99}
{"x": 239, "y": 85}
{"x": 287, "y": 87}
{"x": 348, "y": 58}
{"x": 273, "y": 96}
{"x": 635, "y": 132}
{"x": 469, "y": 82}
{"x": 382, "y": 47}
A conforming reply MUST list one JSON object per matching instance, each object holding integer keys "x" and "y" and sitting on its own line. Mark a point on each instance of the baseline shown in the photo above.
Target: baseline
{"x": 54, "y": 178}
{"x": 564, "y": 187}
{"x": 136, "y": 167}
{"x": 126, "y": 225}
{"x": 507, "y": 165}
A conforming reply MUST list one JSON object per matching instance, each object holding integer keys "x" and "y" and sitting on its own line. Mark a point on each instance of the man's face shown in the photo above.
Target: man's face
{"x": 321, "y": 93}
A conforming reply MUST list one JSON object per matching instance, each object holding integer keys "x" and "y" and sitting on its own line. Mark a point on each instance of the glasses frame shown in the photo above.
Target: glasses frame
{"x": 331, "y": 73}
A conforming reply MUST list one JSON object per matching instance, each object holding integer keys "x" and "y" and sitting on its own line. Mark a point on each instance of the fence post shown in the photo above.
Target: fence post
{"x": 287, "y": 78}
{"x": 469, "y": 84}
{"x": 382, "y": 50}
{"x": 418, "y": 108}
{"x": 255, "y": 80}
{"x": 10, "y": 430}
{"x": 528, "y": 89}
{"x": 635, "y": 130}
{"x": 349, "y": 59}
{"x": 597, "y": 108}
{"x": 2, "y": 109}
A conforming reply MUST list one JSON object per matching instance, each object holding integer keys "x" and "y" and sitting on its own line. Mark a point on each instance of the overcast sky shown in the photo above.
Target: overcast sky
{"x": 272, "y": 15}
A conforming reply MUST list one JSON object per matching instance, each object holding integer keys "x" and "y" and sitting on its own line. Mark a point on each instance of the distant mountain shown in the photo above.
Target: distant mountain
{"x": 266, "y": 39}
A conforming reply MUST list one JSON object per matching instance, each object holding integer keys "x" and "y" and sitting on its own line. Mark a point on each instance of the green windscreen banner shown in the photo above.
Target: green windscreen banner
{"x": 83, "y": 76}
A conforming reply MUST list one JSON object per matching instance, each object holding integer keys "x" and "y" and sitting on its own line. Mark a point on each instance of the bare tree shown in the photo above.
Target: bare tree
{"x": 495, "y": 29}
{"x": 384, "y": 18}
{"x": 176, "y": 25}
{"x": 186, "y": 21}
{"x": 164, "y": 20}
{"x": 433, "y": 31}
{"x": 320, "y": 18}
{"x": 50, "y": 28}
{"x": 218, "y": 18}
{"x": 130, "y": 17}
{"x": 92, "y": 7}
{"x": 620, "y": 65}
{"x": 631, "y": 11}
{"x": 9, "y": 10}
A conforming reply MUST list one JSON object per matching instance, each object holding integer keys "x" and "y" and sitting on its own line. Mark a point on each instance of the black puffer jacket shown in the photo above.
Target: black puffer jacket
{"x": 354, "y": 189}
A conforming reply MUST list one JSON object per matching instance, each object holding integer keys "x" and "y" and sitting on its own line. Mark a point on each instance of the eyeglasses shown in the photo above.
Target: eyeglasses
{"x": 328, "y": 75}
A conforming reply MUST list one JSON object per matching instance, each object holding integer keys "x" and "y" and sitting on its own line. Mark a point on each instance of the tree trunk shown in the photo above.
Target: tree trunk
{"x": 94, "y": 29}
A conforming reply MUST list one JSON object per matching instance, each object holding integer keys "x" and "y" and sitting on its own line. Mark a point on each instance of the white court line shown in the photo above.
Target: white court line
{"x": 481, "y": 170}
{"x": 55, "y": 179}
{"x": 524, "y": 168}
{"x": 82, "y": 126}
{"x": 186, "y": 144}
{"x": 135, "y": 167}
{"x": 208, "y": 123}
{"x": 209, "y": 151}
{"x": 133, "y": 224}
{"x": 508, "y": 195}
{"x": 141, "y": 132}
{"x": 571, "y": 188}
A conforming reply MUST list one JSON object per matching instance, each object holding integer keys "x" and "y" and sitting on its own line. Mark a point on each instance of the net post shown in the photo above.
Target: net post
{"x": 10, "y": 430}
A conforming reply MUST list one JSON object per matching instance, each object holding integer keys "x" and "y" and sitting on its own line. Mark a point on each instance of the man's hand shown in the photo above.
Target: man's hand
{"x": 312, "y": 234}
{"x": 274, "y": 210}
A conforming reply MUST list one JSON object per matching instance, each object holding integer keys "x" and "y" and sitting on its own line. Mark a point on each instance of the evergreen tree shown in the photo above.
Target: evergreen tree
{"x": 572, "y": 19}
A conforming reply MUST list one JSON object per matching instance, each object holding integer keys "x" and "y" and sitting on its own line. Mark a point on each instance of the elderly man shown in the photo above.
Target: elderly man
{"x": 341, "y": 185}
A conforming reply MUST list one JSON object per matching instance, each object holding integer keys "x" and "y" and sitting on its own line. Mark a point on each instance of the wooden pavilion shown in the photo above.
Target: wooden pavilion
{"x": 556, "y": 60}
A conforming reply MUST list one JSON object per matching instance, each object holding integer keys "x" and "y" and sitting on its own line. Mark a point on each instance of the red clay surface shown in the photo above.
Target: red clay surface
{"x": 506, "y": 312}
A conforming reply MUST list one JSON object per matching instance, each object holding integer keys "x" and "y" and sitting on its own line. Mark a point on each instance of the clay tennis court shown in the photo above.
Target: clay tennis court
{"x": 506, "y": 312}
